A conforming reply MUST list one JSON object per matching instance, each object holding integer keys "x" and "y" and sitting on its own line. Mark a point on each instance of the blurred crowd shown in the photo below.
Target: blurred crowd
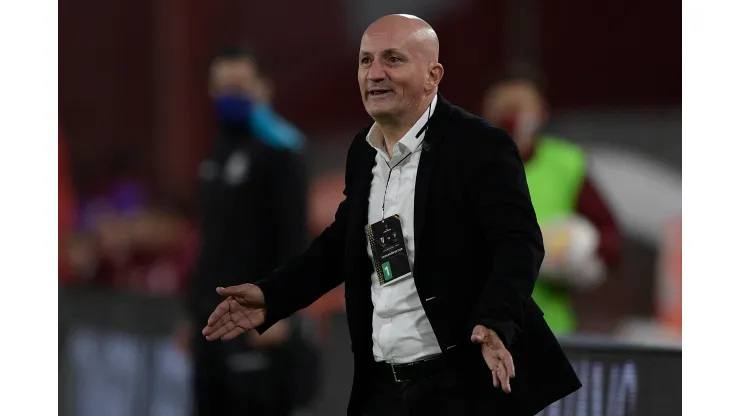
{"x": 123, "y": 235}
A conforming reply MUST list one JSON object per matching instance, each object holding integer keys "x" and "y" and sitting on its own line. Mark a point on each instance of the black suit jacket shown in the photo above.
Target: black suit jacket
{"x": 478, "y": 253}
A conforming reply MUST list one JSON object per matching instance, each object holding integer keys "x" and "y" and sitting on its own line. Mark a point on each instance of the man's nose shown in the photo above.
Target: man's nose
{"x": 376, "y": 72}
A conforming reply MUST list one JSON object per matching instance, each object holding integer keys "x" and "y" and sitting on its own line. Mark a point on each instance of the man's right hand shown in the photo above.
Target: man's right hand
{"x": 243, "y": 310}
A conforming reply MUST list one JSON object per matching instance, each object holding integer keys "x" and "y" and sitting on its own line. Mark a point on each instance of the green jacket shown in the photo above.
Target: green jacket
{"x": 555, "y": 174}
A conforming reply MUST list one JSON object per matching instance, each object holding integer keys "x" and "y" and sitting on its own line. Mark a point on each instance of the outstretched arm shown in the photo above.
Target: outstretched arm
{"x": 290, "y": 288}
{"x": 316, "y": 271}
{"x": 309, "y": 276}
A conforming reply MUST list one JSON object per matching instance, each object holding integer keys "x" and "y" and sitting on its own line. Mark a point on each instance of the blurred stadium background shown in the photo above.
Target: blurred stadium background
{"x": 133, "y": 106}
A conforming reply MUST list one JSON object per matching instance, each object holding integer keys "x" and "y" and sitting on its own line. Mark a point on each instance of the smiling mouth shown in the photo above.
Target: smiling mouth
{"x": 378, "y": 93}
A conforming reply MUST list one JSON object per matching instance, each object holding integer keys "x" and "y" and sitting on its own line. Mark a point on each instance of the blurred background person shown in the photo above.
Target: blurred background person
{"x": 130, "y": 237}
{"x": 582, "y": 241}
{"x": 103, "y": 245}
{"x": 252, "y": 194}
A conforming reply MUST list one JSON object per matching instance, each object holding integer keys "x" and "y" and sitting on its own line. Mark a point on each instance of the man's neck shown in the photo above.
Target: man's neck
{"x": 393, "y": 131}
{"x": 392, "y": 134}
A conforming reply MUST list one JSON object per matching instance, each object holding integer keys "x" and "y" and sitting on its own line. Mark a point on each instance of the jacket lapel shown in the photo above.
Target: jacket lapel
{"x": 430, "y": 152}
{"x": 356, "y": 240}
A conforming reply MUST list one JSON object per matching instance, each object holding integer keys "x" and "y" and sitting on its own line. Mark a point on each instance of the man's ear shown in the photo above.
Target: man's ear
{"x": 434, "y": 76}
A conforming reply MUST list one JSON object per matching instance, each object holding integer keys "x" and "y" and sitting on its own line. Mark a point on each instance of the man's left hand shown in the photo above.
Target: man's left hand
{"x": 497, "y": 357}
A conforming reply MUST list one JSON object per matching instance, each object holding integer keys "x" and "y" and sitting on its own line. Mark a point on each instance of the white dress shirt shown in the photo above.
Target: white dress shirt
{"x": 401, "y": 330}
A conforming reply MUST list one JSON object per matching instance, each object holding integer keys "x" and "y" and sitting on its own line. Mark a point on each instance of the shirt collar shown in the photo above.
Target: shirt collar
{"x": 409, "y": 142}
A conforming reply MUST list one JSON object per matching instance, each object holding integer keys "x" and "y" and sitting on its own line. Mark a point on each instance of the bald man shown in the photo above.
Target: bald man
{"x": 438, "y": 246}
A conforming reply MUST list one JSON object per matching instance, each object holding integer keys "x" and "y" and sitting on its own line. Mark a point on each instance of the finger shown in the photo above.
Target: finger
{"x": 495, "y": 379}
{"x": 504, "y": 378}
{"x": 218, "y": 325}
{"x": 509, "y": 363}
{"x": 233, "y": 334}
{"x": 479, "y": 335}
{"x": 221, "y": 331}
{"x": 221, "y": 310}
{"x": 230, "y": 291}
{"x": 226, "y": 323}
{"x": 213, "y": 327}
{"x": 208, "y": 330}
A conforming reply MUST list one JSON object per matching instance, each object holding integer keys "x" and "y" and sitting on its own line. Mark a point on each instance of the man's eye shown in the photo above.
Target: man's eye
{"x": 365, "y": 60}
{"x": 394, "y": 59}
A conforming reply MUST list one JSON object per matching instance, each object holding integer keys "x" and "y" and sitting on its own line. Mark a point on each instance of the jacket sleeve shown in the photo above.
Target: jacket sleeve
{"x": 497, "y": 187}
{"x": 310, "y": 275}
{"x": 594, "y": 207}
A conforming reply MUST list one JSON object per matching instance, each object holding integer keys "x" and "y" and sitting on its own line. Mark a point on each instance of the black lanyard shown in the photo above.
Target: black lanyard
{"x": 390, "y": 169}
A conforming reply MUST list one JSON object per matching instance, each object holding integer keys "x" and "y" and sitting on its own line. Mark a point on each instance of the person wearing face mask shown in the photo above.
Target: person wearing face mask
{"x": 252, "y": 191}
{"x": 582, "y": 240}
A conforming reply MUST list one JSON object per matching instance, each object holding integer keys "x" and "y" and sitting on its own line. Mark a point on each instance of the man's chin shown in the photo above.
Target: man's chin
{"x": 377, "y": 111}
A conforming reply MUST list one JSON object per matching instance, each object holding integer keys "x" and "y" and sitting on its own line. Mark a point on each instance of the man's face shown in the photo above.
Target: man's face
{"x": 390, "y": 75}
{"x": 237, "y": 76}
{"x": 508, "y": 100}
{"x": 517, "y": 107}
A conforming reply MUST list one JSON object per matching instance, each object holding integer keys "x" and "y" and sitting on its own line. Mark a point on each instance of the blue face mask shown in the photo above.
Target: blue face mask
{"x": 234, "y": 109}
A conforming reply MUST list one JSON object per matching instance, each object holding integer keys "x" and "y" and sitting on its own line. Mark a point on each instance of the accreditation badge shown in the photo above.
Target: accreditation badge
{"x": 390, "y": 257}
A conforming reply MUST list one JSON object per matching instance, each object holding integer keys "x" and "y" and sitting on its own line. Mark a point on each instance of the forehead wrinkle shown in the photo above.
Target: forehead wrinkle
{"x": 420, "y": 44}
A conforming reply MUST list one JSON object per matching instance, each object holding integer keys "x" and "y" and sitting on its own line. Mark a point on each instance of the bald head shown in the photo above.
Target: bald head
{"x": 405, "y": 28}
{"x": 399, "y": 68}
